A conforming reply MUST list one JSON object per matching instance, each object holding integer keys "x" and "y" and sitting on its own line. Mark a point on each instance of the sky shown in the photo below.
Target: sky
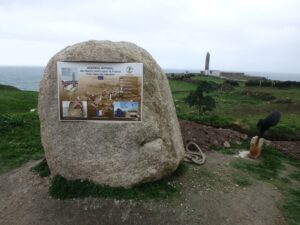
{"x": 241, "y": 35}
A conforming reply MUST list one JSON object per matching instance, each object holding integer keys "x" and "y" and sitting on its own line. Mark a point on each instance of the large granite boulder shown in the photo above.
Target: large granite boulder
{"x": 114, "y": 154}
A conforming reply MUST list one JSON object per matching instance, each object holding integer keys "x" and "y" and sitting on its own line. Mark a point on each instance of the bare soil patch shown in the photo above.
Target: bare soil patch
{"x": 289, "y": 147}
{"x": 205, "y": 136}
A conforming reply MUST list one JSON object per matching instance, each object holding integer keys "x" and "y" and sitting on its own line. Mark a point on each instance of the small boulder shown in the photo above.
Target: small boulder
{"x": 226, "y": 144}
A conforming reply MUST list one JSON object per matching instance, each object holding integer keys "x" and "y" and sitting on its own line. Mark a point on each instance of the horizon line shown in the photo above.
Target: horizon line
{"x": 192, "y": 69}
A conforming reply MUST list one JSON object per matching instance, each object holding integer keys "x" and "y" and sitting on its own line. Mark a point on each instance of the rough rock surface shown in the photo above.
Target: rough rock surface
{"x": 114, "y": 154}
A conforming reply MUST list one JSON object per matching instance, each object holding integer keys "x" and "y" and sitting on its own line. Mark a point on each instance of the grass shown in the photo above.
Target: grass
{"x": 16, "y": 101}
{"x": 19, "y": 128}
{"x": 8, "y": 88}
{"x": 207, "y": 173}
{"x": 42, "y": 168}
{"x": 181, "y": 170}
{"x": 9, "y": 121}
{"x": 240, "y": 111}
{"x": 64, "y": 189}
{"x": 291, "y": 206}
{"x": 181, "y": 86}
{"x": 241, "y": 180}
{"x": 295, "y": 175}
{"x": 269, "y": 169}
{"x": 208, "y": 178}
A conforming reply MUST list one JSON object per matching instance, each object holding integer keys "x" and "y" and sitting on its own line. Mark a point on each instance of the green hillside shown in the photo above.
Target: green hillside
{"x": 243, "y": 106}
{"x": 19, "y": 128}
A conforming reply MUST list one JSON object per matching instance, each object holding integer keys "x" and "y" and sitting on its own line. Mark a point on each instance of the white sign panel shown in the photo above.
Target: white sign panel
{"x": 100, "y": 91}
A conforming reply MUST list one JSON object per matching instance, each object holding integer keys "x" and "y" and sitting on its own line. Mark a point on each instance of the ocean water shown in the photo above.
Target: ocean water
{"x": 29, "y": 77}
{"x": 276, "y": 76}
{"x": 23, "y": 77}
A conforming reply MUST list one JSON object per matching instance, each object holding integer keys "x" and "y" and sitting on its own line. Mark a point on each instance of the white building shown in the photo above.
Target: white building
{"x": 215, "y": 73}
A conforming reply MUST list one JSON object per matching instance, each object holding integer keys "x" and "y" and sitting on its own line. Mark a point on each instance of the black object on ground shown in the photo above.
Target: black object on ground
{"x": 271, "y": 120}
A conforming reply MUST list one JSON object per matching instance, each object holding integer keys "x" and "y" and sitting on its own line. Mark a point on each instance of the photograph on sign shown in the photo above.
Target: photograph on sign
{"x": 100, "y": 91}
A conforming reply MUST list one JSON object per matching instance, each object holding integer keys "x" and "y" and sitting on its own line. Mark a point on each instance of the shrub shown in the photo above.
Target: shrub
{"x": 266, "y": 83}
{"x": 259, "y": 95}
{"x": 252, "y": 83}
{"x": 232, "y": 83}
{"x": 197, "y": 98}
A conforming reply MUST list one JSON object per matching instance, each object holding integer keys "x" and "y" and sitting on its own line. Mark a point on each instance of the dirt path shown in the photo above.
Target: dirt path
{"x": 208, "y": 197}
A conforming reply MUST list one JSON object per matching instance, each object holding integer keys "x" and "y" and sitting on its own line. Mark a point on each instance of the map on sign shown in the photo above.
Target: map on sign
{"x": 100, "y": 91}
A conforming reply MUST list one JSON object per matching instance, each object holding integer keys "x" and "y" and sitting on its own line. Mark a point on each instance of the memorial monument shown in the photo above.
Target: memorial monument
{"x": 107, "y": 115}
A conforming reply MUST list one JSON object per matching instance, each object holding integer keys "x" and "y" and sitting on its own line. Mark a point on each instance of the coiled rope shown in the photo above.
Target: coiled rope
{"x": 194, "y": 156}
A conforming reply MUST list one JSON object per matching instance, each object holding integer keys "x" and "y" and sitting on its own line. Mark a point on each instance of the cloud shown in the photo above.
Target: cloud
{"x": 240, "y": 34}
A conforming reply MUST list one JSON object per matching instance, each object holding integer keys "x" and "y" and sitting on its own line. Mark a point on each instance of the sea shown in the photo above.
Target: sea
{"x": 28, "y": 77}
{"x": 23, "y": 77}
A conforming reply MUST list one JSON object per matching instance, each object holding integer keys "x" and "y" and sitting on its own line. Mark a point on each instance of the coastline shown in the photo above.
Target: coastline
{"x": 27, "y": 78}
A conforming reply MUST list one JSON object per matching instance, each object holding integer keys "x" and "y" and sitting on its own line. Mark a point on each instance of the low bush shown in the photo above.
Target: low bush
{"x": 252, "y": 83}
{"x": 266, "y": 83}
{"x": 270, "y": 83}
{"x": 259, "y": 95}
{"x": 232, "y": 83}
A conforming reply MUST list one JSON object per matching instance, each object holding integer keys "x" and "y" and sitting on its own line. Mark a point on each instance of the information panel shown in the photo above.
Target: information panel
{"x": 100, "y": 91}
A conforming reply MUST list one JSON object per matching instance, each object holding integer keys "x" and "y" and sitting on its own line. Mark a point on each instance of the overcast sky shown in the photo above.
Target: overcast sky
{"x": 241, "y": 35}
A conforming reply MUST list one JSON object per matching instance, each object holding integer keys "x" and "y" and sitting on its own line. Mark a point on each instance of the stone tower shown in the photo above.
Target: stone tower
{"x": 207, "y": 61}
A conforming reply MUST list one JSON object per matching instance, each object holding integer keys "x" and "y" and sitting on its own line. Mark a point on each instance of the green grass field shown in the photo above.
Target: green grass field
{"x": 19, "y": 128}
{"x": 243, "y": 106}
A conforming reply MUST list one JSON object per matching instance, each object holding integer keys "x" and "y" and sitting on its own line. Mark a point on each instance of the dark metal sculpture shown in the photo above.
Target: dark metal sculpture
{"x": 271, "y": 120}
{"x": 263, "y": 125}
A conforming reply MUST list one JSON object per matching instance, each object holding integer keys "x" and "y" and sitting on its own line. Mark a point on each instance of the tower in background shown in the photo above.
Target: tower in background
{"x": 207, "y": 61}
{"x": 207, "y": 58}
